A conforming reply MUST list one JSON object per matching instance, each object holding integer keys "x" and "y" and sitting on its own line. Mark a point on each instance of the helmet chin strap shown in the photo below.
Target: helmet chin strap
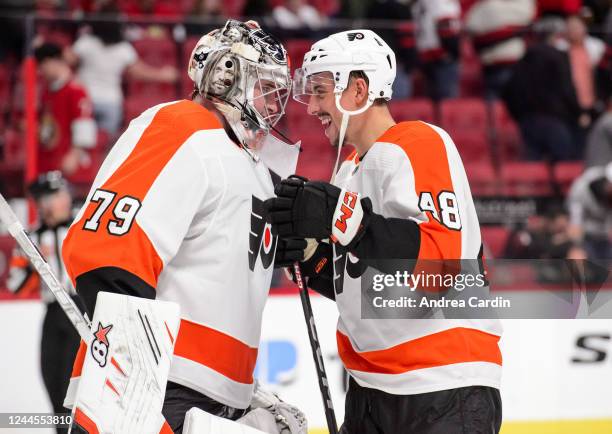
{"x": 346, "y": 114}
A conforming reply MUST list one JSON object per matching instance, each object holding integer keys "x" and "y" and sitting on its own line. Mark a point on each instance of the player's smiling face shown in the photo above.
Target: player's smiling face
{"x": 322, "y": 104}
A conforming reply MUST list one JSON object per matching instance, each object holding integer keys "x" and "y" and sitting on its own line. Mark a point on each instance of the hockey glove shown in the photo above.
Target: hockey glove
{"x": 311, "y": 209}
{"x": 289, "y": 250}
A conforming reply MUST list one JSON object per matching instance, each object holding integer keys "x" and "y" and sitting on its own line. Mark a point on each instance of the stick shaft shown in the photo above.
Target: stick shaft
{"x": 15, "y": 228}
{"x": 317, "y": 355}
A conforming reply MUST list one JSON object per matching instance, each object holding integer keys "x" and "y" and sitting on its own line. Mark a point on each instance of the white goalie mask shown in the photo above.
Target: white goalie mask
{"x": 244, "y": 71}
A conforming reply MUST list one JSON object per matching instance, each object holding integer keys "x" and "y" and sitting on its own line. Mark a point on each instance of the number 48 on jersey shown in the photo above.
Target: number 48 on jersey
{"x": 448, "y": 206}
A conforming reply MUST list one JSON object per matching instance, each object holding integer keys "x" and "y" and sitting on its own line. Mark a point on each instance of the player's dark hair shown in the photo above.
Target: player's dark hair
{"x": 360, "y": 74}
{"x": 48, "y": 50}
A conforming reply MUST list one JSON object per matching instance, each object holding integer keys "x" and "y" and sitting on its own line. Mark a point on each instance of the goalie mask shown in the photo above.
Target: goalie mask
{"x": 244, "y": 71}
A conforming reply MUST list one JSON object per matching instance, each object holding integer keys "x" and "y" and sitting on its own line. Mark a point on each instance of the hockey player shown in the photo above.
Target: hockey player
{"x": 402, "y": 193}
{"x": 59, "y": 341}
{"x": 176, "y": 214}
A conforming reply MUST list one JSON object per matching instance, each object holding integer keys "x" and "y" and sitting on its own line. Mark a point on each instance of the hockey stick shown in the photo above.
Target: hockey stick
{"x": 78, "y": 320}
{"x": 328, "y": 405}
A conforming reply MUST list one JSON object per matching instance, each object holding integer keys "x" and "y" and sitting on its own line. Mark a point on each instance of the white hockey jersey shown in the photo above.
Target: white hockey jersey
{"x": 177, "y": 209}
{"x": 414, "y": 171}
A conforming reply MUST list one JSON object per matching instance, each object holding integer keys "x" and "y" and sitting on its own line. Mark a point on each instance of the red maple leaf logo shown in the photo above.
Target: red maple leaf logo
{"x": 102, "y": 332}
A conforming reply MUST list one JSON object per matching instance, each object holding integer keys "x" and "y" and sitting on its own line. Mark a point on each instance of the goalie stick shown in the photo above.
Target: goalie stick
{"x": 317, "y": 355}
{"x": 17, "y": 231}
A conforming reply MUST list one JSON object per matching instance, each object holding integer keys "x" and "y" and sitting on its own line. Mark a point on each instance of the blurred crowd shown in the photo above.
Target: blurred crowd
{"x": 547, "y": 63}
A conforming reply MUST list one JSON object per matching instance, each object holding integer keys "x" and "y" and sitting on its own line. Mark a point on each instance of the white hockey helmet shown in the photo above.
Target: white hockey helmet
{"x": 236, "y": 66}
{"x": 342, "y": 53}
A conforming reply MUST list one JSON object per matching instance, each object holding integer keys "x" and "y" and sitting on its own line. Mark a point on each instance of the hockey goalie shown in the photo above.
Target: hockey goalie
{"x": 174, "y": 221}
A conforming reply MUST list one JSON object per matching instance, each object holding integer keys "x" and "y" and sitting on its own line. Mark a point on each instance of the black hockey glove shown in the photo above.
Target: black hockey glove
{"x": 289, "y": 250}
{"x": 311, "y": 209}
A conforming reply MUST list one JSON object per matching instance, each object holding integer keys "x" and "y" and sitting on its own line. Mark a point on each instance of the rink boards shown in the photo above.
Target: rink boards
{"x": 557, "y": 373}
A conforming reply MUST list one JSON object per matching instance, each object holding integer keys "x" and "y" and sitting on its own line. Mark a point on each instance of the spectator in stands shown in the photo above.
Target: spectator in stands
{"x": 497, "y": 28}
{"x": 103, "y": 55}
{"x": 297, "y": 18}
{"x": 585, "y": 53}
{"x": 399, "y": 33}
{"x": 590, "y": 206}
{"x": 540, "y": 95}
{"x": 438, "y": 26}
{"x": 67, "y": 130}
{"x": 599, "y": 141}
{"x": 549, "y": 238}
{"x": 528, "y": 240}
{"x": 60, "y": 340}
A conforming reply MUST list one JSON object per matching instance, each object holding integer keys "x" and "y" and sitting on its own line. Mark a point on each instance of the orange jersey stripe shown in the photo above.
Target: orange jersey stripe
{"x": 427, "y": 154}
{"x": 85, "y": 422}
{"x": 171, "y": 126}
{"x": 456, "y": 345}
{"x": 220, "y": 352}
{"x": 79, "y": 360}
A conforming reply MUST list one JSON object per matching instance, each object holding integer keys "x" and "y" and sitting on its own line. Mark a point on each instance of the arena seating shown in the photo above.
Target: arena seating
{"x": 495, "y": 238}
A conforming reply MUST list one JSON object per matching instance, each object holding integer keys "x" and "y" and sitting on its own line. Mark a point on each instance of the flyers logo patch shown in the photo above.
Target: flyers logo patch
{"x": 99, "y": 346}
{"x": 355, "y": 35}
{"x": 261, "y": 241}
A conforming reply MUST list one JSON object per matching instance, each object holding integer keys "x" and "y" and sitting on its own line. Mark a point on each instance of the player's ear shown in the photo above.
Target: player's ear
{"x": 361, "y": 91}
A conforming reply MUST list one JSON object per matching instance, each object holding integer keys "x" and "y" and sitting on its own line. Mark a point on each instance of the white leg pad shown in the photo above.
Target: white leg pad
{"x": 124, "y": 376}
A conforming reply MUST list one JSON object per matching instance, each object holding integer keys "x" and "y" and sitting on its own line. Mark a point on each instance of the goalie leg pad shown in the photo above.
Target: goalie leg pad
{"x": 126, "y": 364}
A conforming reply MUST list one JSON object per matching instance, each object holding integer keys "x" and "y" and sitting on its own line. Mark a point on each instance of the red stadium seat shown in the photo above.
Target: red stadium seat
{"x": 482, "y": 178}
{"x": 298, "y": 120}
{"x": 464, "y": 114}
{"x": 473, "y": 146}
{"x": 296, "y": 48}
{"x": 421, "y": 109}
{"x": 12, "y": 164}
{"x": 326, "y": 7}
{"x": 526, "y": 179}
{"x": 14, "y": 148}
{"x": 159, "y": 92}
{"x": 318, "y": 162}
{"x": 156, "y": 51}
{"x": 566, "y": 172}
{"x": 233, "y": 8}
{"x": 5, "y": 89}
{"x": 495, "y": 239}
{"x": 506, "y": 133}
{"x": 186, "y": 83}
{"x": 133, "y": 107}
